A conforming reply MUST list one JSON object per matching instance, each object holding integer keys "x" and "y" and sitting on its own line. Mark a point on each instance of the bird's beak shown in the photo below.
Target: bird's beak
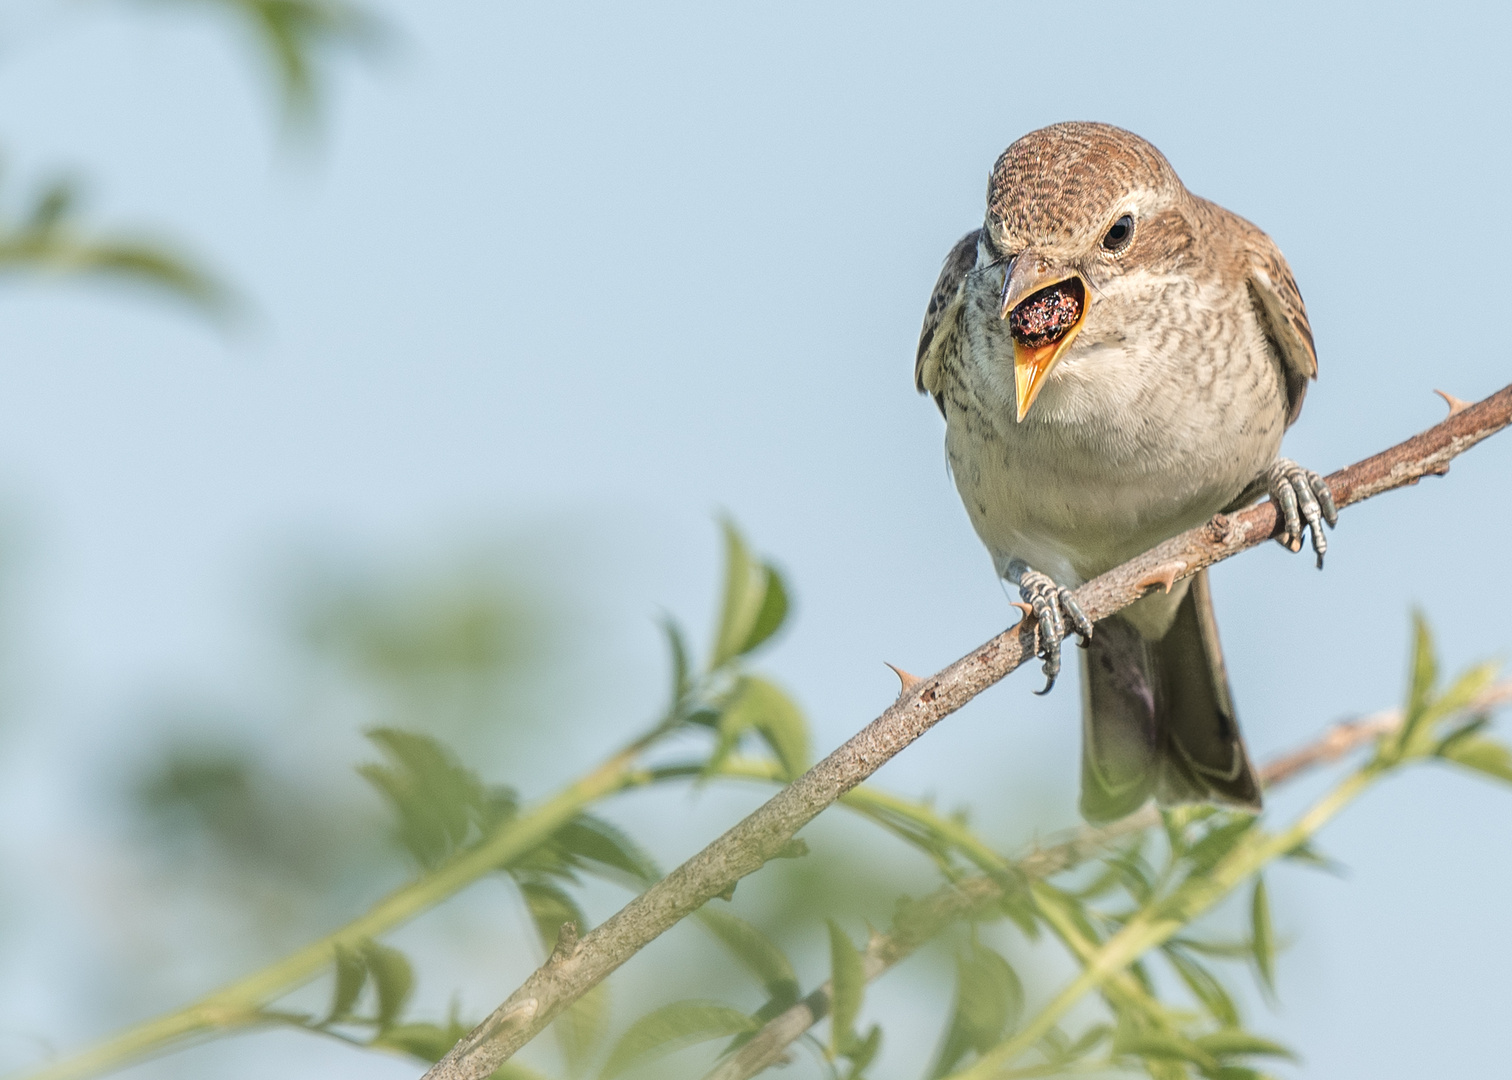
{"x": 1045, "y": 305}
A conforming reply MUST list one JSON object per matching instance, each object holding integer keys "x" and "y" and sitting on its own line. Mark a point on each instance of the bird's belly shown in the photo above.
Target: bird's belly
{"x": 1081, "y": 489}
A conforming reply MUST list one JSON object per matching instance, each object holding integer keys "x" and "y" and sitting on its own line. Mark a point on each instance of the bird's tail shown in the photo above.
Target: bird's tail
{"x": 1157, "y": 717}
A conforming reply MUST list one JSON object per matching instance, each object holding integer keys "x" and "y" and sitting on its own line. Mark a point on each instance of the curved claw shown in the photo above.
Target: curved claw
{"x": 1050, "y": 606}
{"x": 1304, "y": 504}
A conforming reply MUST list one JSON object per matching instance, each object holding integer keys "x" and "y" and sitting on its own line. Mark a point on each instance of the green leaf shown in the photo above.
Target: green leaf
{"x": 428, "y": 1042}
{"x": 582, "y": 1027}
{"x": 1308, "y": 854}
{"x": 1088, "y": 1041}
{"x": 681, "y": 679}
{"x": 1132, "y": 872}
{"x": 1462, "y": 694}
{"x": 1219, "y": 841}
{"x": 848, "y": 984}
{"x": 989, "y": 1000}
{"x": 549, "y": 908}
{"x": 1054, "y": 1044}
{"x": 1481, "y": 754}
{"x": 755, "y": 951}
{"x": 773, "y": 611}
{"x": 393, "y": 979}
{"x": 863, "y": 1051}
{"x": 351, "y": 975}
{"x": 595, "y": 840}
{"x": 1235, "y": 1043}
{"x": 1262, "y": 938}
{"x": 742, "y": 601}
{"x": 761, "y": 706}
{"x": 1162, "y": 1046}
{"x": 672, "y": 1027}
{"x": 1424, "y": 670}
{"x": 56, "y": 202}
{"x": 513, "y": 1070}
{"x": 438, "y": 802}
{"x": 1205, "y": 987}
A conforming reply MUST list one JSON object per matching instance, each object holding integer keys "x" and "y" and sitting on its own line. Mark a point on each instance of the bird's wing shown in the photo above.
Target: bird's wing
{"x": 1278, "y": 302}
{"x": 940, "y": 316}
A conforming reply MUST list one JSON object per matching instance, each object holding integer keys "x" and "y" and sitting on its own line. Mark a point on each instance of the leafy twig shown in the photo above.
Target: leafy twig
{"x": 962, "y": 899}
{"x": 764, "y": 834}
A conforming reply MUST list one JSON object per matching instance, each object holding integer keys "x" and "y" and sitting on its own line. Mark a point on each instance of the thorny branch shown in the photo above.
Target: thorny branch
{"x": 762, "y": 835}
{"x": 768, "y": 1046}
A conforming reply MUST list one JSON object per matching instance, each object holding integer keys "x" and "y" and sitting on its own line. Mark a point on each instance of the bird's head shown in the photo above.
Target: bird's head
{"x": 1072, "y": 208}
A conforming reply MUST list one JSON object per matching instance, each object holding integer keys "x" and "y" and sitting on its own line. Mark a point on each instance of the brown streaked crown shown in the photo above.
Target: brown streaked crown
{"x": 1060, "y": 182}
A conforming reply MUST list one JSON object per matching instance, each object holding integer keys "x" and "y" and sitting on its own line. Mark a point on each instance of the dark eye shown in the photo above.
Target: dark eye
{"x": 1119, "y": 234}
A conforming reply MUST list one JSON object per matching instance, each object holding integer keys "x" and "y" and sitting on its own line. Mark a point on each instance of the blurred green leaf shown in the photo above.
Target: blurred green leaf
{"x": 297, "y": 36}
{"x": 761, "y": 706}
{"x": 549, "y": 908}
{"x": 1088, "y": 1041}
{"x": 1161, "y": 1045}
{"x": 1055, "y": 1045}
{"x": 511, "y": 1070}
{"x": 741, "y": 601}
{"x": 1262, "y": 937}
{"x": 1218, "y": 842}
{"x": 1308, "y": 854}
{"x": 54, "y": 246}
{"x": 848, "y": 986}
{"x": 863, "y": 1051}
{"x": 989, "y": 999}
{"x": 595, "y": 840}
{"x": 1424, "y": 673}
{"x": 428, "y": 1042}
{"x": 440, "y": 805}
{"x": 681, "y": 675}
{"x": 351, "y": 976}
{"x": 755, "y": 951}
{"x": 772, "y": 613}
{"x": 393, "y": 979}
{"x": 672, "y": 1027}
{"x": 582, "y": 1027}
{"x": 1482, "y": 754}
{"x": 1204, "y": 985}
{"x": 1462, "y": 694}
{"x": 754, "y": 604}
{"x": 1234, "y": 1043}
{"x": 1132, "y": 872}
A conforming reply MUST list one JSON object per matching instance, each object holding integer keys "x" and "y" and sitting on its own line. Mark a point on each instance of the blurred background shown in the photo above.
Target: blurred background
{"x": 517, "y": 299}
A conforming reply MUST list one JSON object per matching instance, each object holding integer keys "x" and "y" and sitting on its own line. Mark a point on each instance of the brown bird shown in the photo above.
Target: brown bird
{"x": 1116, "y": 360}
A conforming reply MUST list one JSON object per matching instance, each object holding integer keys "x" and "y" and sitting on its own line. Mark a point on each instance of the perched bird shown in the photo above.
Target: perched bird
{"x": 1116, "y": 360}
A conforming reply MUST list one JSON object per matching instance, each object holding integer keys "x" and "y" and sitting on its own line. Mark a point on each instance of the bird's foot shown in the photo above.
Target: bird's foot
{"x": 1304, "y": 502}
{"x": 1050, "y": 607}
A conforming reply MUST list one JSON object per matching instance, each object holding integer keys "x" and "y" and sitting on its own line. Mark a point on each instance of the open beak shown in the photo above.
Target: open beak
{"x": 1045, "y": 306}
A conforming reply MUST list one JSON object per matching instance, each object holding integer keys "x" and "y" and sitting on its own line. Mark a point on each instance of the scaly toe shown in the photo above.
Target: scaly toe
{"x": 1303, "y": 503}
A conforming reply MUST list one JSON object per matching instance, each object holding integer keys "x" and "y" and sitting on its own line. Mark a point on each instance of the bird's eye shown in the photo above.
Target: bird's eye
{"x": 1119, "y": 234}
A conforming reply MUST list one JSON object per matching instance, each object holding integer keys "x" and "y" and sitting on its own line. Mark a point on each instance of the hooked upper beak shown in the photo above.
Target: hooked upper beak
{"x": 1046, "y": 305}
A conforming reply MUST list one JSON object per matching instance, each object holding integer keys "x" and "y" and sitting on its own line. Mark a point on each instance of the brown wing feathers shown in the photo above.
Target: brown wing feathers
{"x": 947, "y": 289}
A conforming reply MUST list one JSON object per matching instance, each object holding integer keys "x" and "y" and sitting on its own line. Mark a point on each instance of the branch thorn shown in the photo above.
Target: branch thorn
{"x": 908, "y": 681}
{"x": 1456, "y": 405}
{"x": 1165, "y": 576}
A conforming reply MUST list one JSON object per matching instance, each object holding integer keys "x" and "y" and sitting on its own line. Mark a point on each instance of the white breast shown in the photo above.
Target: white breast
{"x": 1136, "y": 436}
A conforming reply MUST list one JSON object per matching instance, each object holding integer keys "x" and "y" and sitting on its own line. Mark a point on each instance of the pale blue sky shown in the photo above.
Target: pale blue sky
{"x": 598, "y": 272}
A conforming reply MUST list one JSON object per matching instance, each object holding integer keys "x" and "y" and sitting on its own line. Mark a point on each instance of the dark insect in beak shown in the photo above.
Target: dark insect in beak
{"x": 1045, "y": 317}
